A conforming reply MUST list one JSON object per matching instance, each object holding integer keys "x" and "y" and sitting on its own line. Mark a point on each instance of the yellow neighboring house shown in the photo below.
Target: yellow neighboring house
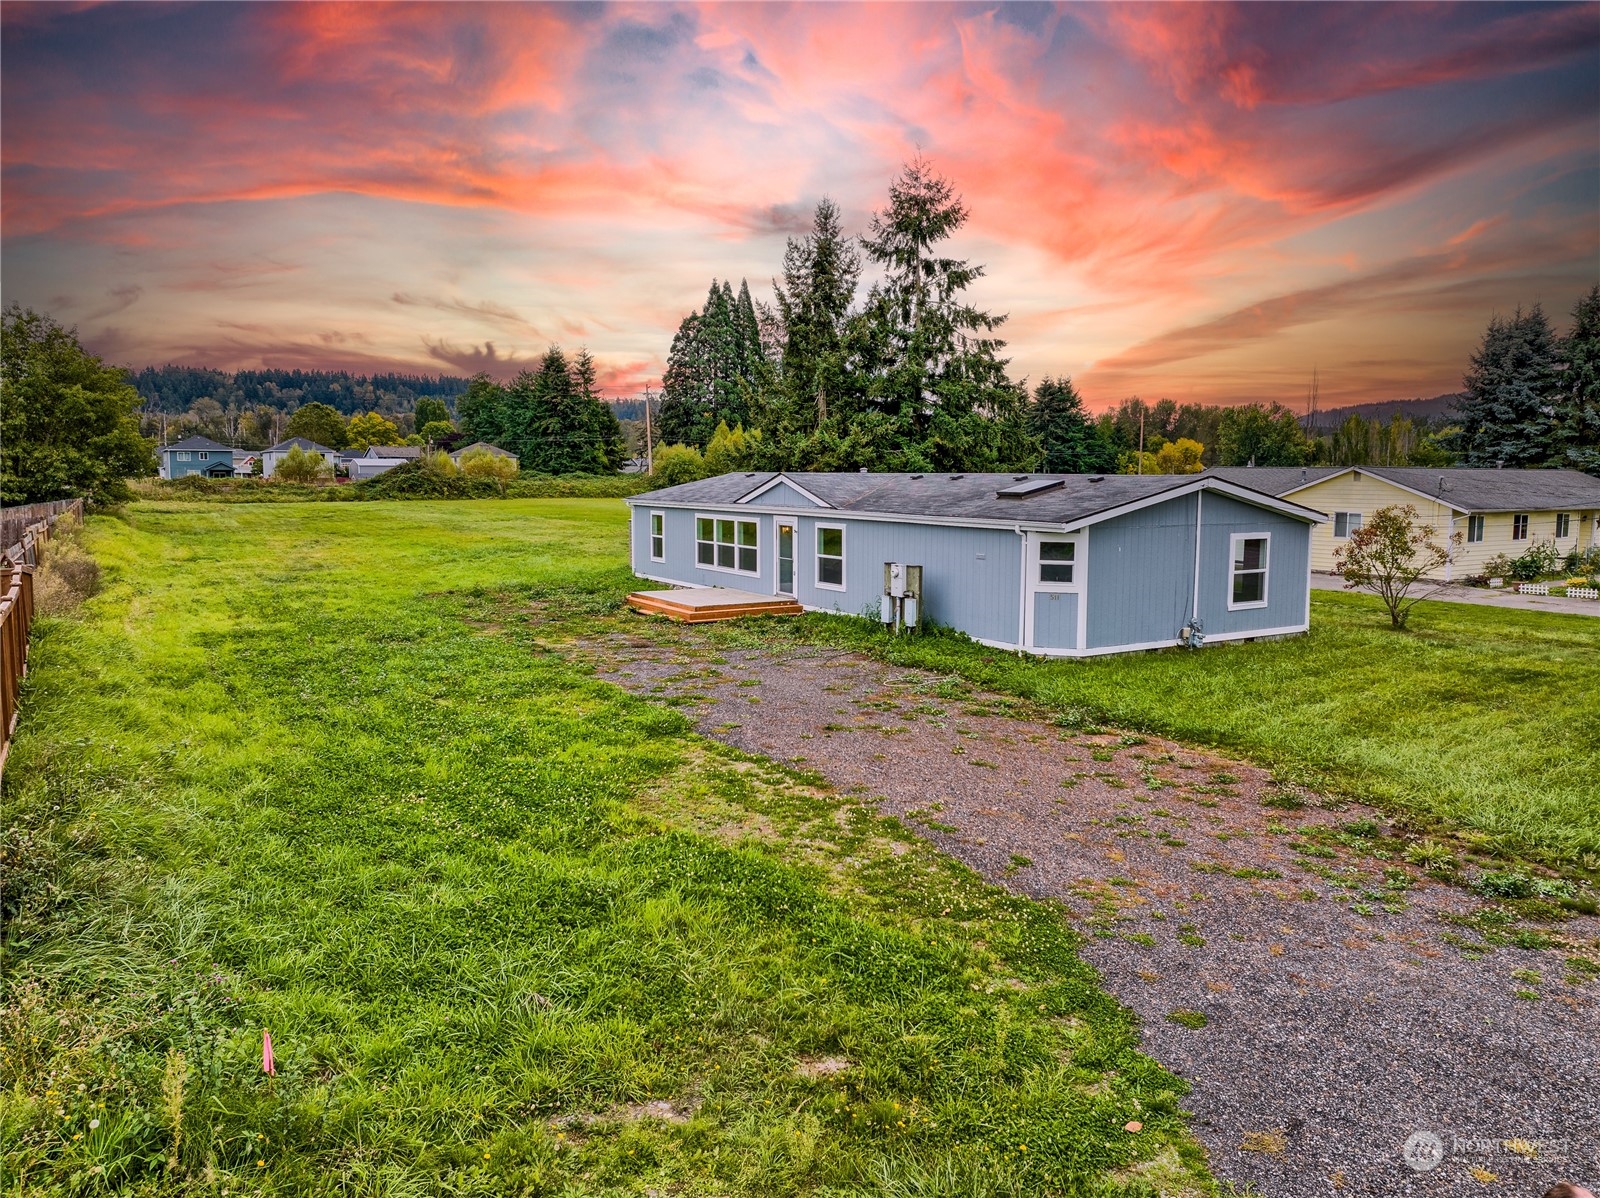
{"x": 1496, "y": 511}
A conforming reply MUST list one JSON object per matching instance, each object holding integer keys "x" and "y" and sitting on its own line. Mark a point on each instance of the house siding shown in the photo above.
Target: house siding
{"x": 1137, "y": 588}
{"x": 1366, "y": 493}
{"x": 783, "y": 496}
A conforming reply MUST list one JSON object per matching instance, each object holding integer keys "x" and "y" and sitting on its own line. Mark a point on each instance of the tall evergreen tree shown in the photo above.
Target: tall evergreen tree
{"x": 1578, "y": 394}
{"x": 929, "y": 389}
{"x": 820, "y": 272}
{"x": 482, "y": 411}
{"x": 1508, "y": 407}
{"x": 712, "y": 368}
{"x": 1069, "y": 441}
{"x": 604, "y": 426}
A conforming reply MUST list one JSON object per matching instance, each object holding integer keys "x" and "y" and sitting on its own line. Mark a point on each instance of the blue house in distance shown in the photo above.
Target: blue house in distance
{"x": 196, "y": 455}
{"x": 1061, "y": 565}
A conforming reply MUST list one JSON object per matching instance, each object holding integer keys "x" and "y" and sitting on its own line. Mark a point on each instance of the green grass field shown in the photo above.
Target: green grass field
{"x": 279, "y": 774}
{"x": 317, "y": 768}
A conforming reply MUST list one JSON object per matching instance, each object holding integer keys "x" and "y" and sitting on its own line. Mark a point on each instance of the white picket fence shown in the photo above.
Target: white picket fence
{"x": 1543, "y": 588}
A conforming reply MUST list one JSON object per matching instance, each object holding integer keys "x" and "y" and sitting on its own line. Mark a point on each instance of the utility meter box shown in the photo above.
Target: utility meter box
{"x": 901, "y": 605}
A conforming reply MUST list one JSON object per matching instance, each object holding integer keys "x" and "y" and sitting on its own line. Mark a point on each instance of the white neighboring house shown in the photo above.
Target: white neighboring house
{"x": 271, "y": 457}
{"x": 244, "y": 464}
{"x": 455, "y": 454}
{"x": 380, "y": 458}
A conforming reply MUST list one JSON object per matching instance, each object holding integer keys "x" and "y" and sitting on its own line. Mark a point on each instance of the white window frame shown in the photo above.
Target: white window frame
{"x": 658, "y": 520}
{"x": 1345, "y": 518}
{"x": 736, "y": 546}
{"x": 182, "y": 455}
{"x": 1265, "y": 571}
{"x": 817, "y": 555}
{"x": 1563, "y": 525}
{"x": 1035, "y": 564}
{"x": 1526, "y": 525}
{"x": 1475, "y": 529}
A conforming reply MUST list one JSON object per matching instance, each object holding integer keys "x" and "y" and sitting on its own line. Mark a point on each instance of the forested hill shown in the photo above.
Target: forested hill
{"x": 1437, "y": 410}
{"x": 174, "y": 388}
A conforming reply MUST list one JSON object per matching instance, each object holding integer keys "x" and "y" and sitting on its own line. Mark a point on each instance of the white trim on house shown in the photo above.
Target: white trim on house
{"x": 736, "y": 545}
{"x": 817, "y": 555}
{"x": 1033, "y": 584}
{"x": 1174, "y": 643}
{"x": 1435, "y": 498}
{"x": 1234, "y": 571}
{"x": 658, "y": 520}
{"x": 773, "y": 482}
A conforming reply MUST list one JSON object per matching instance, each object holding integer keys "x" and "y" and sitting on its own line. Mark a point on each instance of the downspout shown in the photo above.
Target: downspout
{"x": 1199, "y": 499}
{"x": 1022, "y": 578}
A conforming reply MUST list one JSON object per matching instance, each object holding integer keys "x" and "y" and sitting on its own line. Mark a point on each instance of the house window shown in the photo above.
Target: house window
{"x": 1056, "y": 560}
{"x": 1474, "y": 528}
{"x": 1248, "y": 575}
{"x": 1563, "y": 525}
{"x": 1519, "y": 527}
{"x": 202, "y": 455}
{"x": 830, "y": 557}
{"x": 1345, "y": 523}
{"x": 726, "y": 545}
{"x": 658, "y": 536}
{"x": 183, "y": 455}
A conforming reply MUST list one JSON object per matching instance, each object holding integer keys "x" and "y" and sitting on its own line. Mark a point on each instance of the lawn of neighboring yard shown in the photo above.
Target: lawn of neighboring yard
{"x": 307, "y": 768}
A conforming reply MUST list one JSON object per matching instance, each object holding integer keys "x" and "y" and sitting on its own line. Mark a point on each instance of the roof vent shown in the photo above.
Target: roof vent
{"x": 1017, "y": 478}
{"x": 957, "y": 477}
{"x": 1023, "y": 490}
{"x": 916, "y": 476}
{"x": 750, "y": 475}
{"x": 1097, "y": 478}
{"x": 863, "y": 470}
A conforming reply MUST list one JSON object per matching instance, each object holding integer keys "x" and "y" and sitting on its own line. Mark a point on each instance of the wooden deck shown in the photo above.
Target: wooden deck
{"x": 696, "y": 605}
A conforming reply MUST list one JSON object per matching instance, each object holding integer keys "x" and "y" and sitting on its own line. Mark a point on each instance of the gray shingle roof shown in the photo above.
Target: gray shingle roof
{"x": 307, "y": 446}
{"x": 189, "y": 443}
{"x": 406, "y": 452}
{"x": 944, "y": 496}
{"x": 1466, "y": 488}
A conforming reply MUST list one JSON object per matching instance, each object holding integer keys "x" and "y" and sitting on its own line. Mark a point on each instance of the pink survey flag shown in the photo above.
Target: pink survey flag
{"x": 266, "y": 1053}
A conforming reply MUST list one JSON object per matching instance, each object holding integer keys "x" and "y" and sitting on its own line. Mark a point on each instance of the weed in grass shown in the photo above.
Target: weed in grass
{"x": 1183, "y": 1017}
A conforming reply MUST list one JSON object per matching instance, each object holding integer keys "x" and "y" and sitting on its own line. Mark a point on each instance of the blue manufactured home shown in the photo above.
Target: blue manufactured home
{"x": 1062, "y": 565}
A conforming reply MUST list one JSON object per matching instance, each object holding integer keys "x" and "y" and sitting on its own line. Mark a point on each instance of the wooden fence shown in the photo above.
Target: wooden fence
{"x": 31, "y": 525}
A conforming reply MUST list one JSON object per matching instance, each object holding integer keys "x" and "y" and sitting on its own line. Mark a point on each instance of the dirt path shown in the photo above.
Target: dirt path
{"x": 1343, "y": 1012}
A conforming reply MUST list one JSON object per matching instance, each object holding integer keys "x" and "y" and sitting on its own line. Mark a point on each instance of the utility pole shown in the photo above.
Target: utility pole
{"x": 1141, "y": 441}
{"x": 649, "y": 437}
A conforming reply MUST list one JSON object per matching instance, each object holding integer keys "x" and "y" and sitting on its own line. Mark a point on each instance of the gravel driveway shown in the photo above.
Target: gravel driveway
{"x": 1342, "y": 1011}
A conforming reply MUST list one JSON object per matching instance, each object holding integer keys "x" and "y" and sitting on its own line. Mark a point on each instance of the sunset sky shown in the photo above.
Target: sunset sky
{"x": 1191, "y": 201}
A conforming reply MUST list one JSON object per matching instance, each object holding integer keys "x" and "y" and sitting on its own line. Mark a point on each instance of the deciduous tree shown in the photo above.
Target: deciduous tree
{"x": 369, "y": 429}
{"x": 320, "y": 423}
{"x": 69, "y": 424}
{"x": 1393, "y": 556}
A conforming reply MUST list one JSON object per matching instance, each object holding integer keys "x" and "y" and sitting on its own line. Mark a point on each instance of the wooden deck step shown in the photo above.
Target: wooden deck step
{"x": 696, "y": 605}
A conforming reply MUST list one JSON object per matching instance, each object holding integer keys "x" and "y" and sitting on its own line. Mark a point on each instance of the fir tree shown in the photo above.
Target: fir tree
{"x": 1578, "y": 396}
{"x": 1508, "y": 407}
{"x": 712, "y": 368}
{"x": 1069, "y": 442}
{"x": 929, "y": 390}
{"x": 482, "y": 411}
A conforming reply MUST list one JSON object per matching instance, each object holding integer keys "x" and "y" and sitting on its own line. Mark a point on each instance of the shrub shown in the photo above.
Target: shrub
{"x": 302, "y": 466}
{"x": 1535, "y": 562}
{"x": 676, "y": 464}
{"x": 486, "y": 464}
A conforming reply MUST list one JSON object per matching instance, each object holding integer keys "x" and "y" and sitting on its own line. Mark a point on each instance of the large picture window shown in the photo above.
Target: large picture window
{"x": 1247, "y": 575}
{"x": 726, "y": 545}
{"x": 830, "y": 557}
{"x": 658, "y": 536}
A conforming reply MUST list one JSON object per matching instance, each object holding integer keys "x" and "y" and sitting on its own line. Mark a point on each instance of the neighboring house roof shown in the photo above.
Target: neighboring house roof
{"x": 1464, "y": 488}
{"x": 402, "y": 452}
{"x": 1004, "y": 499}
{"x": 494, "y": 449}
{"x": 307, "y": 446}
{"x": 197, "y": 443}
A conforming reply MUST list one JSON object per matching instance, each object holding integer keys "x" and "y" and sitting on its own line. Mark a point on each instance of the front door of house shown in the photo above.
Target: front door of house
{"x": 785, "y": 559}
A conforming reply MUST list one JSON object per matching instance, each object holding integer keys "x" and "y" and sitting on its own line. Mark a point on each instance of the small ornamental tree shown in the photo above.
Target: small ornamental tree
{"x": 1392, "y": 556}
{"x": 301, "y": 466}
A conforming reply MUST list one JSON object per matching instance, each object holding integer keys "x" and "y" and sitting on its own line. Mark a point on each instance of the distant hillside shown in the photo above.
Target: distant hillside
{"x": 1436, "y": 410}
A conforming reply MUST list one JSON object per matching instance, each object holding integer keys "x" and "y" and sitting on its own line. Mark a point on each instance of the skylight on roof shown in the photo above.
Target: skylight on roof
{"x": 1031, "y": 487}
